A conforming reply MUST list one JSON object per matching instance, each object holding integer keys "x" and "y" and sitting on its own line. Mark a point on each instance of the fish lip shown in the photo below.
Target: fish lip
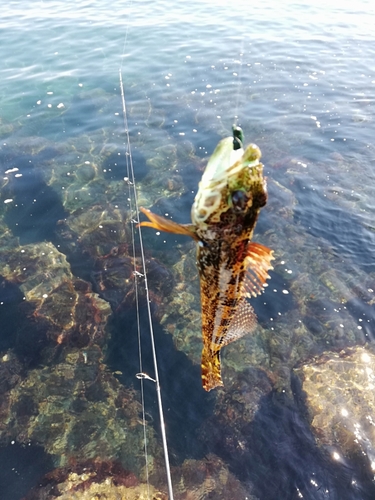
{"x": 226, "y": 162}
{"x": 220, "y": 164}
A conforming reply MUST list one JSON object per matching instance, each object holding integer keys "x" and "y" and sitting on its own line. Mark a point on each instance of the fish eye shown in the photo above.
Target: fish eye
{"x": 239, "y": 200}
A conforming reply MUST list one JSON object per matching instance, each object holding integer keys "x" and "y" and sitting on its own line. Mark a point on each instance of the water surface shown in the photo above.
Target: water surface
{"x": 299, "y": 77}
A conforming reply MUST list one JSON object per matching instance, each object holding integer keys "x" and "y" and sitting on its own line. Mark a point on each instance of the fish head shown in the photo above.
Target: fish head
{"x": 232, "y": 186}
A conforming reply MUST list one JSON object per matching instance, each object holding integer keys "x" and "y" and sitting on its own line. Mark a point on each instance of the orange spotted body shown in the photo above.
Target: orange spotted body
{"x": 231, "y": 267}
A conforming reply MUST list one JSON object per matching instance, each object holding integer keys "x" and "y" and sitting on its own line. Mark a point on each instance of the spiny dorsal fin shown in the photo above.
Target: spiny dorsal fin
{"x": 258, "y": 263}
{"x": 244, "y": 321}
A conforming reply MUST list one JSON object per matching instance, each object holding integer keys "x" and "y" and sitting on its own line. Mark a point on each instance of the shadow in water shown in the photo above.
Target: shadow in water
{"x": 276, "y": 300}
{"x": 19, "y": 331}
{"x": 282, "y": 460}
{"x": 186, "y": 405}
{"x": 35, "y": 208}
{"x": 11, "y": 298}
{"x": 21, "y": 467}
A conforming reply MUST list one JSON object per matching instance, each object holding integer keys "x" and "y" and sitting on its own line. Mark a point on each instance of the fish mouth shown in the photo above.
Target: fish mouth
{"x": 223, "y": 171}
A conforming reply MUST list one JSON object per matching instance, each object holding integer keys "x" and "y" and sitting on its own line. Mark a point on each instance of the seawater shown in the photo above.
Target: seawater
{"x": 299, "y": 77}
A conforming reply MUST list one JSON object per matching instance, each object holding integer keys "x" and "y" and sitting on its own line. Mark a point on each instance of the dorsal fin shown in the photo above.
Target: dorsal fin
{"x": 244, "y": 321}
{"x": 258, "y": 263}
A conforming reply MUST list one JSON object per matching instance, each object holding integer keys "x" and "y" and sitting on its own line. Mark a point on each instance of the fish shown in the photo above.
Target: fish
{"x": 232, "y": 268}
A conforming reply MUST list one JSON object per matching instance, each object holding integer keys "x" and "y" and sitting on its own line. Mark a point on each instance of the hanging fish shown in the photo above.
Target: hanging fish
{"x": 231, "y": 267}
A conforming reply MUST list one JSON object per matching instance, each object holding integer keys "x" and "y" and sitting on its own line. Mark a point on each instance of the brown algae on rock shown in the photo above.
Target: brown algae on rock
{"x": 93, "y": 480}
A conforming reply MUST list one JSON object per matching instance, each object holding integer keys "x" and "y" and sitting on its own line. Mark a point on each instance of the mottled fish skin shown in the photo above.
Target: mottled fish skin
{"x": 231, "y": 268}
{"x": 225, "y": 235}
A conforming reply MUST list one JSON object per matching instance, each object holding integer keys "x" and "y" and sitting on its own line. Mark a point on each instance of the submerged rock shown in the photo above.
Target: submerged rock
{"x": 207, "y": 479}
{"x": 235, "y": 408}
{"x": 56, "y": 390}
{"x": 340, "y": 397}
{"x": 182, "y": 317}
{"x": 61, "y": 307}
{"x": 76, "y": 410}
{"x": 37, "y": 268}
{"x": 94, "y": 232}
{"x": 93, "y": 480}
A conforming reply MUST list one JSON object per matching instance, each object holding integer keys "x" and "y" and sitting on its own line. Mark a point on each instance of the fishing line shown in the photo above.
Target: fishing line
{"x": 125, "y": 39}
{"x": 130, "y": 179}
{"x": 136, "y": 276}
{"x": 235, "y": 121}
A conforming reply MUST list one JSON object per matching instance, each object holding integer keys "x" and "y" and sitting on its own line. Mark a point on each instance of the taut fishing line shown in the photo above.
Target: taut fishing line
{"x": 134, "y": 214}
{"x": 235, "y": 121}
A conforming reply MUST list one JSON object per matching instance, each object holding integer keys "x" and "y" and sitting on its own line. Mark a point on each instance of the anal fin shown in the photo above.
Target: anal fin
{"x": 243, "y": 322}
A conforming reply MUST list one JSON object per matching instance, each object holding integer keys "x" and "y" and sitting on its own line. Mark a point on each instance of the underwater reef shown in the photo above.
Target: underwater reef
{"x": 67, "y": 282}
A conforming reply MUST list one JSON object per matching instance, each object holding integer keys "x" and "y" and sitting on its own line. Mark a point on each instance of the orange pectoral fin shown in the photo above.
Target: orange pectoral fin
{"x": 167, "y": 225}
{"x": 258, "y": 263}
{"x": 211, "y": 371}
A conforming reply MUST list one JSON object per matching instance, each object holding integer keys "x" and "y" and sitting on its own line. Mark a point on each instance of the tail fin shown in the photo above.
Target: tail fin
{"x": 211, "y": 372}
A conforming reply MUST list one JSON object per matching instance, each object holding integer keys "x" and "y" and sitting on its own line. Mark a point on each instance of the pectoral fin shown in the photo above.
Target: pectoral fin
{"x": 167, "y": 225}
{"x": 258, "y": 263}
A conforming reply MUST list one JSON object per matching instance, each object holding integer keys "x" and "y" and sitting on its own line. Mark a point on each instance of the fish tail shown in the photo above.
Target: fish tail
{"x": 211, "y": 371}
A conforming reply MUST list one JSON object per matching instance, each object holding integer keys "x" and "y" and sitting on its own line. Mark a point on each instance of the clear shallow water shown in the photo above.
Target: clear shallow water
{"x": 300, "y": 78}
